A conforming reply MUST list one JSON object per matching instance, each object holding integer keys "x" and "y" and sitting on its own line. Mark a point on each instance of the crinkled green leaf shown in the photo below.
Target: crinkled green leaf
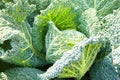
{"x": 103, "y": 70}
{"x": 32, "y": 37}
{"x": 116, "y": 56}
{"x": 51, "y": 34}
{"x": 20, "y": 74}
{"x": 60, "y": 13}
{"x": 57, "y": 42}
{"x": 31, "y": 34}
{"x": 75, "y": 62}
{"x": 108, "y": 27}
{"x": 19, "y": 10}
{"x": 37, "y": 40}
{"x": 116, "y": 59}
{"x": 90, "y": 23}
{"x": 4, "y": 22}
{"x": 91, "y": 12}
{"x": 103, "y": 7}
{"x": 15, "y": 49}
{"x": 15, "y": 13}
{"x": 40, "y": 4}
{"x": 111, "y": 28}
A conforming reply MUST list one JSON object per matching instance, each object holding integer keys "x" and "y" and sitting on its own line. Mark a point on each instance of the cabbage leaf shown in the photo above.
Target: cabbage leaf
{"x": 116, "y": 59}
{"x": 15, "y": 49}
{"x": 60, "y": 13}
{"x": 58, "y": 42}
{"x": 111, "y": 28}
{"x": 91, "y": 12}
{"x": 75, "y": 62}
{"x": 103, "y": 70}
{"x": 20, "y": 74}
{"x": 30, "y": 39}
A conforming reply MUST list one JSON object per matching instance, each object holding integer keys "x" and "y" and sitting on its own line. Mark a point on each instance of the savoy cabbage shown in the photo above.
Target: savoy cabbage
{"x": 59, "y": 39}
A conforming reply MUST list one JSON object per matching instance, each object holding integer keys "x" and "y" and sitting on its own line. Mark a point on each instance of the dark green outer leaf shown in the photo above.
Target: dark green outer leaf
{"x": 103, "y": 70}
{"x": 20, "y": 74}
{"x": 15, "y": 49}
{"x": 104, "y": 50}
